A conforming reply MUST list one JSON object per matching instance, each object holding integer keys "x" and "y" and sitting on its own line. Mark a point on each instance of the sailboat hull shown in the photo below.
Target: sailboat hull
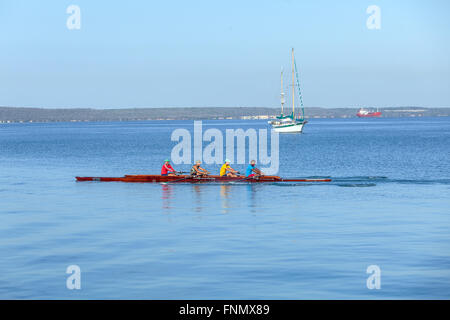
{"x": 289, "y": 128}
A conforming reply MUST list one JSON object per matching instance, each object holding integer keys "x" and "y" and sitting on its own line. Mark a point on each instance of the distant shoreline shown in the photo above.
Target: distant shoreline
{"x": 30, "y": 115}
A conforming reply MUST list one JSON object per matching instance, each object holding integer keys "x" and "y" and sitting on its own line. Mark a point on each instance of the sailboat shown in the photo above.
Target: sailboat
{"x": 290, "y": 123}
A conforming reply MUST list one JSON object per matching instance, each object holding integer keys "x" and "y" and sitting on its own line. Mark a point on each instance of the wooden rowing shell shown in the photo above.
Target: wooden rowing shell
{"x": 191, "y": 179}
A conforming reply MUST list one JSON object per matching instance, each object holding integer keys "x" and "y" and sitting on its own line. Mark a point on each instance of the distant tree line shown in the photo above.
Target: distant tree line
{"x": 19, "y": 114}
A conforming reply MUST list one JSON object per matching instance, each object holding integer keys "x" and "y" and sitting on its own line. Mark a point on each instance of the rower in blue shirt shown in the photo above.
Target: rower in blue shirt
{"x": 252, "y": 171}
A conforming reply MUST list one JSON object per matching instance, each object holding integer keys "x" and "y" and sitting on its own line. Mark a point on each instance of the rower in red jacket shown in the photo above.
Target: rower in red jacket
{"x": 167, "y": 169}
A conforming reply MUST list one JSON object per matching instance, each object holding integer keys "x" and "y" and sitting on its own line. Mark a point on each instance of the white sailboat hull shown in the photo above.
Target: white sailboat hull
{"x": 289, "y": 128}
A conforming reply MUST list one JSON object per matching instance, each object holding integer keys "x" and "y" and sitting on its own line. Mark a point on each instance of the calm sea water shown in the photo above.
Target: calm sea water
{"x": 388, "y": 205}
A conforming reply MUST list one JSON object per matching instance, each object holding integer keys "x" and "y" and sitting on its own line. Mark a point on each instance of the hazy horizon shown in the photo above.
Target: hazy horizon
{"x": 175, "y": 107}
{"x": 223, "y": 54}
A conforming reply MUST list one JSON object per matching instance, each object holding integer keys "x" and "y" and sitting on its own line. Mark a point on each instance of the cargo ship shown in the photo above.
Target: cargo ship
{"x": 363, "y": 113}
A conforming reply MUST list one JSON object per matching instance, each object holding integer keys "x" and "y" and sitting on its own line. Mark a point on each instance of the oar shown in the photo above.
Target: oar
{"x": 200, "y": 178}
{"x": 243, "y": 179}
{"x": 178, "y": 180}
{"x": 187, "y": 177}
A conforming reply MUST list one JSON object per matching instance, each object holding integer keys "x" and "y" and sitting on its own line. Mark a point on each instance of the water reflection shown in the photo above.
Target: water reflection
{"x": 225, "y": 197}
{"x": 166, "y": 196}
{"x": 231, "y": 197}
{"x": 198, "y": 197}
{"x": 251, "y": 196}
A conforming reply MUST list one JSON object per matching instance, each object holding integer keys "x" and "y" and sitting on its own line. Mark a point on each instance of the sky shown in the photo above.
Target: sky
{"x": 223, "y": 53}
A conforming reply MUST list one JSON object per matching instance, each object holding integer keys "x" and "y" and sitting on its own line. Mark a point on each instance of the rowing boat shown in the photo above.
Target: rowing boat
{"x": 191, "y": 179}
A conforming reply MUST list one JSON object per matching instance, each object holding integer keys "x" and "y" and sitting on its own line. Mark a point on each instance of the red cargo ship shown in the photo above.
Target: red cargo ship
{"x": 362, "y": 113}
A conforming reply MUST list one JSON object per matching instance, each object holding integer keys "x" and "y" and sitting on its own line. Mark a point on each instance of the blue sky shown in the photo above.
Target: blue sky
{"x": 223, "y": 53}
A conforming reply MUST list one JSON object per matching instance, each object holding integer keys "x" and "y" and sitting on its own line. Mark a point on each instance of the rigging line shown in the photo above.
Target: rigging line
{"x": 299, "y": 90}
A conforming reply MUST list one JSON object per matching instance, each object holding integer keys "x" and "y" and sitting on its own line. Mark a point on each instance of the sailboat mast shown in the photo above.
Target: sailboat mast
{"x": 293, "y": 88}
{"x": 282, "y": 93}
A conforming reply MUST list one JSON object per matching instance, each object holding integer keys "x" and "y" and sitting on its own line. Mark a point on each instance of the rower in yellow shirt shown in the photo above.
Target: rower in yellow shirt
{"x": 228, "y": 171}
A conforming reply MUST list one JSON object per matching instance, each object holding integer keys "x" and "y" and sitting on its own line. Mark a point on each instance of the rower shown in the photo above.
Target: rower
{"x": 167, "y": 169}
{"x": 197, "y": 171}
{"x": 228, "y": 171}
{"x": 252, "y": 171}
